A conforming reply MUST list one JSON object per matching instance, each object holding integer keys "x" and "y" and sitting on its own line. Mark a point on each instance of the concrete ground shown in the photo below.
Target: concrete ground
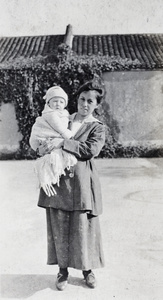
{"x": 132, "y": 230}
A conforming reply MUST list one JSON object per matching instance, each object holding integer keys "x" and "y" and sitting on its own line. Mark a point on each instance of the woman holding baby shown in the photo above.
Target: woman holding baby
{"x": 74, "y": 205}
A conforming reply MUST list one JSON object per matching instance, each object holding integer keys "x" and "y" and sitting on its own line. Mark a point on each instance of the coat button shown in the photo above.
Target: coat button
{"x": 71, "y": 175}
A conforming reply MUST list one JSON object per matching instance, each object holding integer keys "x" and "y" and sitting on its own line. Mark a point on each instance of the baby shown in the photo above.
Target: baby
{"x": 52, "y": 124}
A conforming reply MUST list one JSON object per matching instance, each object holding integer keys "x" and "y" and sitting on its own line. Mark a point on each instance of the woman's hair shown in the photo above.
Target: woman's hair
{"x": 96, "y": 84}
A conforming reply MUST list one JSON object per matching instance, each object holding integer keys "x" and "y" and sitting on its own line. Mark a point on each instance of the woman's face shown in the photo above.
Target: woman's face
{"x": 87, "y": 103}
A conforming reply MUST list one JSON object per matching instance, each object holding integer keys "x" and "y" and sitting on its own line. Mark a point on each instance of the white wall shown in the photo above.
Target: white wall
{"x": 9, "y": 135}
{"x": 41, "y": 17}
{"x": 135, "y": 100}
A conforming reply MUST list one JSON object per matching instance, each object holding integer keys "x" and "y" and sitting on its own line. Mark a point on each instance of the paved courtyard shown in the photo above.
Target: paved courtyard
{"x": 131, "y": 224}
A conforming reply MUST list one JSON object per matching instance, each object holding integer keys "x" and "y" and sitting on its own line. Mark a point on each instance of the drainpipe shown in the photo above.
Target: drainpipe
{"x": 68, "y": 38}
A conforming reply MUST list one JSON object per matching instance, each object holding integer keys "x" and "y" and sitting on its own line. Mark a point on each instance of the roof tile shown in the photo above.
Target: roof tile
{"x": 12, "y": 48}
{"x": 147, "y": 48}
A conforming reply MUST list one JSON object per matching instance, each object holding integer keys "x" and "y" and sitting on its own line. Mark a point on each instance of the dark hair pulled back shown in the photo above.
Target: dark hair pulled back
{"x": 96, "y": 84}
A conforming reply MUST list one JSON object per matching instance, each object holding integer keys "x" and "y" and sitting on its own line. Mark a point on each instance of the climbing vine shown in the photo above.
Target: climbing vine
{"x": 24, "y": 83}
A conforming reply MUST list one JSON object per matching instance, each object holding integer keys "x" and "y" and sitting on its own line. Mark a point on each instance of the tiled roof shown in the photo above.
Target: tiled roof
{"x": 147, "y": 48}
{"x": 12, "y": 48}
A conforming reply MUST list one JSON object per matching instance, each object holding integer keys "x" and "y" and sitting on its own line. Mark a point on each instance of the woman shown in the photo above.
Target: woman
{"x": 74, "y": 238}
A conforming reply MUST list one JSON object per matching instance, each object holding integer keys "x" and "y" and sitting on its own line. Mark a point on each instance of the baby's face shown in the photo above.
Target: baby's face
{"x": 57, "y": 103}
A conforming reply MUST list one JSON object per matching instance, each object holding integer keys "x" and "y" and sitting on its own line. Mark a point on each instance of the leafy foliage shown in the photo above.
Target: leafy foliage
{"x": 24, "y": 82}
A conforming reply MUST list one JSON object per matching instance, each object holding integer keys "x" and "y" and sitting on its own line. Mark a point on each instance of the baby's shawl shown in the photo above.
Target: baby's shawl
{"x": 51, "y": 124}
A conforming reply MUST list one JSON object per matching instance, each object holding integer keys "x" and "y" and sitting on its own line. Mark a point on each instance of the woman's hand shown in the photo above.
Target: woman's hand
{"x": 56, "y": 143}
{"x": 42, "y": 149}
{"x": 49, "y": 189}
{"x": 49, "y": 145}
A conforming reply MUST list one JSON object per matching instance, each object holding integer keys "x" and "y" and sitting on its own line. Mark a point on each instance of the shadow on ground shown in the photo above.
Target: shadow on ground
{"x": 24, "y": 286}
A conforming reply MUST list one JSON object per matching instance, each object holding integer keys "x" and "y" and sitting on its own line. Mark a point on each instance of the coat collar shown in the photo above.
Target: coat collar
{"x": 87, "y": 120}
{"x": 81, "y": 130}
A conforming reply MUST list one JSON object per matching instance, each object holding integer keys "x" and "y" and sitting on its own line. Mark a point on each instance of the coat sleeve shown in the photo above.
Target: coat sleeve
{"x": 89, "y": 148}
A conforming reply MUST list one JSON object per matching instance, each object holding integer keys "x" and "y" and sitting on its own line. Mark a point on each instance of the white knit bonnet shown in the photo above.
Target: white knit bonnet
{"x": 56, "y": 91}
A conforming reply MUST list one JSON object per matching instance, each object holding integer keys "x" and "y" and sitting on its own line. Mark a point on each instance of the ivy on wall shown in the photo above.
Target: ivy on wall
{"x": 24, "y": 83}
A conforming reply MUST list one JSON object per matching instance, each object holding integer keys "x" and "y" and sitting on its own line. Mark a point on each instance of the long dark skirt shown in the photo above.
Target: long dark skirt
{"x": 74, "y": 240}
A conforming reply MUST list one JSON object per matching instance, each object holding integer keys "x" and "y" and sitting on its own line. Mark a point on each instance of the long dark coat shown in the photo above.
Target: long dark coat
{"x": 80, "y": 188}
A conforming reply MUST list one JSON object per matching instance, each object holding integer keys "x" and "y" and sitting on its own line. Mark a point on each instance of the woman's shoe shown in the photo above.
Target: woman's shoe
{"x": 90, "y": 279}
{"x": 62, "y": 281}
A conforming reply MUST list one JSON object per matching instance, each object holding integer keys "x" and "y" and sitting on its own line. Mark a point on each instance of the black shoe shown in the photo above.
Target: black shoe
{"x": 62, "y": 281}
{"x": 90, "y": 279}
